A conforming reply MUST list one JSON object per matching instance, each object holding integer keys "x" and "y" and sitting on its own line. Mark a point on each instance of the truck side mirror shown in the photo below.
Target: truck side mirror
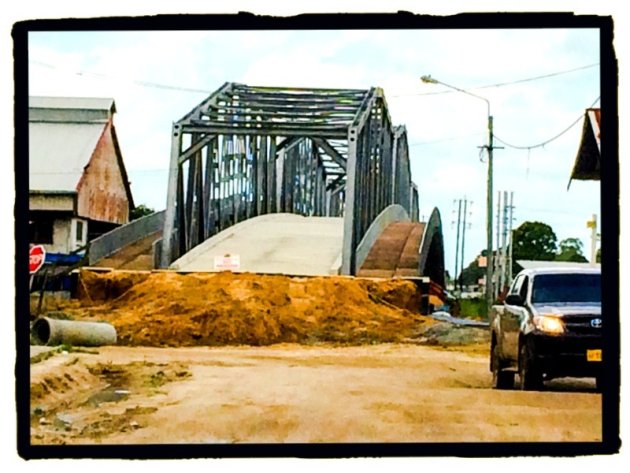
{"x": 514, "y": 299}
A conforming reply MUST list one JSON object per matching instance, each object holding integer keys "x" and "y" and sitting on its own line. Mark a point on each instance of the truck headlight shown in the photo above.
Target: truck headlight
{"x": 549, "y": 324}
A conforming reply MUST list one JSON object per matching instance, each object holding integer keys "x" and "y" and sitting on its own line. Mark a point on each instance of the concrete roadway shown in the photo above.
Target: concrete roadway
{"x": 276, "y": 244}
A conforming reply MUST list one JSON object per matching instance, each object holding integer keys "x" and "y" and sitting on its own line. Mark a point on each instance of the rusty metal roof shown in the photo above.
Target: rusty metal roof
{"x": 587, "y": 162}
{"x": 58, "y": 153}
{"x": 72, "y": 103}
{"x": 63, "y": 134}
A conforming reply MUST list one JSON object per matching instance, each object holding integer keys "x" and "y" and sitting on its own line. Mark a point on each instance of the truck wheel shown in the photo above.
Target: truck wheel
{"x": 500, "y": 379}
{"x": 530, "y": 377}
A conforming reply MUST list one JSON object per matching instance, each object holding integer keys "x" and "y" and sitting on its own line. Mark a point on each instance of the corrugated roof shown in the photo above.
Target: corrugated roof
{"x": 58, "y": 152}
{"x": 72, "y": 103}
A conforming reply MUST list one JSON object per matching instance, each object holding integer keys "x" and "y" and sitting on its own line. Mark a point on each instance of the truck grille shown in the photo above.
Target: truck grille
{"x": 583, "y": 324}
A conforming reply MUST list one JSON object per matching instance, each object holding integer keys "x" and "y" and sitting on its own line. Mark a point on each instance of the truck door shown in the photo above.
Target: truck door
{"x": 513, "y": 315}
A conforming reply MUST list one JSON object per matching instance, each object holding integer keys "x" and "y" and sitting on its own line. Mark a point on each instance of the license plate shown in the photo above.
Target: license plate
{"x": 593, "y": 355}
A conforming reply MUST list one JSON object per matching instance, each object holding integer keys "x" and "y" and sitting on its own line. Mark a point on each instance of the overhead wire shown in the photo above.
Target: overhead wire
{"x": 194, "y": 90}
{"x": 133, "y": 81}
{"x": 539, "y": 145}
{"x": 501, "y": 84}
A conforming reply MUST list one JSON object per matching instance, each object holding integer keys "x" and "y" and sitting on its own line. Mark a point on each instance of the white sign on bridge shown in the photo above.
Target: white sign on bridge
{"x": 227, "y": 262}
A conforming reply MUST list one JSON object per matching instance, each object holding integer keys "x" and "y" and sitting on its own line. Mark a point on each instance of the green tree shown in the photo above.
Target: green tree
{"x": 140, "y": 211}
{"x": 533, "y": 241}
{"x": 571, "y": 249}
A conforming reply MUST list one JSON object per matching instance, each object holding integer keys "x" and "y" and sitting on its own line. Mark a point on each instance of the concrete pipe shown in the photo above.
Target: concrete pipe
{"x": 53, "y": 332}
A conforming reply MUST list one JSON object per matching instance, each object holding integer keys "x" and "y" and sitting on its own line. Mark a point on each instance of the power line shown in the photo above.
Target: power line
{"x": 203, "y": 91}
{"x": 501, "y": 84}
{"x": 545, "y": 76}
{"x": 550, "y": 139}
{"x": 141, "y": 83}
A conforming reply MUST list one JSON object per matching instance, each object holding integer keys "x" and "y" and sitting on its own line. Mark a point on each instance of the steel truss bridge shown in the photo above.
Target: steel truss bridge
{"x": 248, "y": 151}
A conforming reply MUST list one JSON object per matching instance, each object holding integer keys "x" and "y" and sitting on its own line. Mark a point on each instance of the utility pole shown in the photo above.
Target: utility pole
{"x": 497, "y": 263}
{"x": 503, "y": 251}
{"x": 463, "y": 243}
{"x": 462, "y": 211}
{"x": 501, "y": 243}
{"x": 509, "y": 259}
{"x": 592, "y": 224}
{"x": 459, "y": 217}
{"x": 504, "y": 228}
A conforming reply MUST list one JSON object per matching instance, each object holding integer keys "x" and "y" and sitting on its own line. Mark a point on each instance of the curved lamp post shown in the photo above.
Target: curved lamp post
{"x": 489, "y": 147}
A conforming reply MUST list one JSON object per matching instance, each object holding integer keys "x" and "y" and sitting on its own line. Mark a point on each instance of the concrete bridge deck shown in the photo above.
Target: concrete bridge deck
{"x": 275, "y": 243}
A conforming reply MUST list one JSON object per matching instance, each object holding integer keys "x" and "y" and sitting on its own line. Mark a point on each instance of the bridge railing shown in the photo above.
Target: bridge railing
{"x": 114, "y": 240}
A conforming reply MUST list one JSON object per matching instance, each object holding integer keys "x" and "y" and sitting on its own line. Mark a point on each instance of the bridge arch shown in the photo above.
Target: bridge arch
{"x": 431, "y": 259}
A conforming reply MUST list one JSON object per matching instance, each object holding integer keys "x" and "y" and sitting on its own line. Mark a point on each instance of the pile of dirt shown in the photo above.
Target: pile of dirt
{"x": 171, "y": 309}
{"x": 445, "y": 334}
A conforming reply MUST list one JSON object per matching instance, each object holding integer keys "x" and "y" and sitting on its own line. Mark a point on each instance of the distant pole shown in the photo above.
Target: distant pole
{"x": 489, "y": 269}
{"x": 504, "y": 233}
{"x": 592, "y": 224}
{"x": 497, "y": 269}
{"x": 509, "y": 260}
{"x": 499, "y": 265}
{"x": 459, "y": 216}
{"x": 463, "y": 243}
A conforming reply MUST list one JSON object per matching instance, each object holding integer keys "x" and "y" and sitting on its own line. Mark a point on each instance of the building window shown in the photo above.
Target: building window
{"x": 79, "y": 231}
{"x": 41, "y": 231}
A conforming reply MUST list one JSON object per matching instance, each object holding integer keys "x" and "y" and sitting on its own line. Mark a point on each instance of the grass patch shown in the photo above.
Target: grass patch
{"x": 473, "y": 309}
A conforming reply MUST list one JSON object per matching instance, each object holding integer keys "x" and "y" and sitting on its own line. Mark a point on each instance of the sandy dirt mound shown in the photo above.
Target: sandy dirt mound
{"x": 171, "y": 309}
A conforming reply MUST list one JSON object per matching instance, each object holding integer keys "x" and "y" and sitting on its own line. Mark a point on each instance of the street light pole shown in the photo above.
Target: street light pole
{"x": 489, "y": 186}
{"x": 490, "y": 256}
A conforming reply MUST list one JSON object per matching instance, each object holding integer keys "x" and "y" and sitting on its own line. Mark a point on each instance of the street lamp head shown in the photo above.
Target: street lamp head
{"x": 428, "y": 80}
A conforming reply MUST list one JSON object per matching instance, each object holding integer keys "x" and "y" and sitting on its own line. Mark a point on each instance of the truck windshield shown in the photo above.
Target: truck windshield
{"x": 549, "y": 288}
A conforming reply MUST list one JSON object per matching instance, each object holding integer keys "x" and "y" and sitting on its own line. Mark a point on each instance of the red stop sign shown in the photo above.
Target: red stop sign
{"x": 36, "y": 257}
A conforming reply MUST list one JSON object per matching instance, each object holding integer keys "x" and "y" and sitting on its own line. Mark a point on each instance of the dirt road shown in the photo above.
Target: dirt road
{"x": 294, "y": 393}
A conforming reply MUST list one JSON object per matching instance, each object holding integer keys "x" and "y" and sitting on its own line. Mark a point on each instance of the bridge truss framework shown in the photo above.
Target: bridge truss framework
{"x": 247, "y": 151}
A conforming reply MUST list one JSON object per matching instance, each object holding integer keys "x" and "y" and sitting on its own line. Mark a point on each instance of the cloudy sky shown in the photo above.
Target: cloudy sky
{"x": 548, "y": 78}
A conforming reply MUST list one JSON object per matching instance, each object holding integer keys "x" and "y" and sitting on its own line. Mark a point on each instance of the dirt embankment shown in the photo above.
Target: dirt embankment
{"x": 171, "y": 309}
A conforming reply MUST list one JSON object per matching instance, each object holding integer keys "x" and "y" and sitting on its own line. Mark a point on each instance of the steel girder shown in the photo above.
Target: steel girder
{"x": 247, "y": 151}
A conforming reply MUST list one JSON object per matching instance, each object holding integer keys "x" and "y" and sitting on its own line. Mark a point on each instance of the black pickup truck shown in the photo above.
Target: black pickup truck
{"x": 550, "y": 326}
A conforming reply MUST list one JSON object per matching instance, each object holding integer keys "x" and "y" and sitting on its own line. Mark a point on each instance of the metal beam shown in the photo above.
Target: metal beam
{"x": 259, "y": 129}
{"x": 195, "y": 147}
{"x": 171, "y": 195}
{"x": 267, "y": 149}
{"x": 196, "y": 112}
{"x": 288, "y": 143}
{"x": 330, "y": 151}
{"x": 348, "y": 256}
